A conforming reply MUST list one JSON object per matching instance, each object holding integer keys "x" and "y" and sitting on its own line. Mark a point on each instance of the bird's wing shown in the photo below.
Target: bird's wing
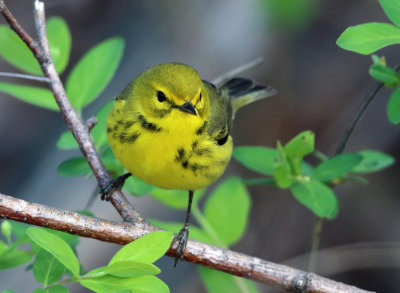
{"x": 242, "y": 92}
{"x": 220, "y": 119}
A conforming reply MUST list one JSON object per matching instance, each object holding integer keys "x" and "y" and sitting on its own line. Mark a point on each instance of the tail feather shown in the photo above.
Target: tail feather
{"x": 243, "y": 91}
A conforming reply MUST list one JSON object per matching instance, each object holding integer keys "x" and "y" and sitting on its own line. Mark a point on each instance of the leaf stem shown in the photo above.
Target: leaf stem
{"x": 25, "y": 76}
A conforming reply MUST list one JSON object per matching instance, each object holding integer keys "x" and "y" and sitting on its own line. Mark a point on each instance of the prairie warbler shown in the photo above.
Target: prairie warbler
{"x": 171, "y": 129}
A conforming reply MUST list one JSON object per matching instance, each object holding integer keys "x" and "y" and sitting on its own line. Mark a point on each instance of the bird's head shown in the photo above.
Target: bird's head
{"x": 171, "y": 90}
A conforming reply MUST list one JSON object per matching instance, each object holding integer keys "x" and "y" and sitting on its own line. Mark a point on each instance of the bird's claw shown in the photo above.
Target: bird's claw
{"x": 113, "y": 185}
{"x": 181, "y": 238}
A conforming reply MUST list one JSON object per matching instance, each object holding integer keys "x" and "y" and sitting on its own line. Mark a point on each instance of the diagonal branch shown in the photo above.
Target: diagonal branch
{"x": 74, "y": 123}
{"x": 232, "y": 262}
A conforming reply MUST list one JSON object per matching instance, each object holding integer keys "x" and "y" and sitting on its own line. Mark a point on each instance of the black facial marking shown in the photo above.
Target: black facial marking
{"x": 185, "y": 164}
{"x": 223, "y": 140}
{"x": 202, "y": 128}
{"x": 162, "y": 112}
{"x": 148, "y": 125}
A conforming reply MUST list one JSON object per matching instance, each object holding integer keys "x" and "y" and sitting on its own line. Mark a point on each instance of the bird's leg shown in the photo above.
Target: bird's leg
{"x": 182, "y": 237}
{"x": 114, "y": 185}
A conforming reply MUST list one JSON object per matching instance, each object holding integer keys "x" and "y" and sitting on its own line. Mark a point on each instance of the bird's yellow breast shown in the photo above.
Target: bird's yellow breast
{"x": 174, "y": 153}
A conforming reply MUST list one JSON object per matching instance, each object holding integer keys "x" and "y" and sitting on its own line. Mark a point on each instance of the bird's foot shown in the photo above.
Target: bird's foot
{"x": 181, "y": 239}
{"x": 115, "y": 184}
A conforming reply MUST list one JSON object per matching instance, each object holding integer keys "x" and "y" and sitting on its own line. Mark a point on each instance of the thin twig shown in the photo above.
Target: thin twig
{"x": 234, "y": 72}
{"x": 235, "y": 263}
{"x": 359, "y": 113}
{"x": 24, "y": 76}
{"x": 91, "y": 122}
{"x": 315, "y": 239}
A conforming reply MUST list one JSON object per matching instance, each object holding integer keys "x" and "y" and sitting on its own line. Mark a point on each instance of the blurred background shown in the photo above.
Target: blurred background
{"x": 320, "y": 87}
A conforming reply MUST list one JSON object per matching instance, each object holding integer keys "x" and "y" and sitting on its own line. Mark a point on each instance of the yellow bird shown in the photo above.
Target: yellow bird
{"x": 172, "y": 129}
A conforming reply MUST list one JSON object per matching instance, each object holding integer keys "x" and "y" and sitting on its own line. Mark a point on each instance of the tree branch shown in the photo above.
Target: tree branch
{"x": 235, "y": 263}
{"x": 74, "y": 123}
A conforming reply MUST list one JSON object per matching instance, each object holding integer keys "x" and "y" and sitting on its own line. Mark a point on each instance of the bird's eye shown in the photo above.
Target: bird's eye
{"x": 161, "y": 96}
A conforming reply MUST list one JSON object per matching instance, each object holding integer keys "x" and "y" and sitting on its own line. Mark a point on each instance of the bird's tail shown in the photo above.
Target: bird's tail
{"x": 243, "y": 91}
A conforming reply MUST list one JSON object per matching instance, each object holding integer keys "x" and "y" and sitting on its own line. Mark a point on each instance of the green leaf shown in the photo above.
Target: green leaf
{"x": 18, "y": 229}
{"x": 176, "y": 199}
{"x": 57, "y": 247}
{"x": 229, "y": 198}
{"x": 283, "y": 173}
{"x": 336, "y": 166}
{"x": 30, "y": 94}
{"x": 8, "y": 291}
{"x": 126, "y": 269}
{"x": 135, "y": 186}
{"x": 217, "y": 282}
{"x": 14, "y": 258}
{"x": 99, "y": 131}
{"x": 46, "y": 268}
{"x": 392, "y": 10}
{"x": 194, "y": 232}
{"x": 15, "y": 52}
{"x": 317, "y": 197}
{"x": 59, "y": 42}
{"x": 393, "y": 107}
{"x": 67, "y": 141}
{"x": 143, "y": 284}
{"x": 257, "y": 158}
{"x": 147, "y": 248}
{"x": 72, "y": 240}
{"x": 301, "y": 145}
{"x": 3, "y": 247}
{"x": 298, "y": 147}
{"x": 384, "y": 74}
{"x": 6, "y": 230}
{"x": 373, "y": 161}
{"x": 369, "y": 37}
{"x": 94, "y": 71}
{"x": 74, "y": 167}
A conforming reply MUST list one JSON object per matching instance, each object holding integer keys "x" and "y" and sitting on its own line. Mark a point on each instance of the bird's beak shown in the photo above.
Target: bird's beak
{"x": 188, "y": 108}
